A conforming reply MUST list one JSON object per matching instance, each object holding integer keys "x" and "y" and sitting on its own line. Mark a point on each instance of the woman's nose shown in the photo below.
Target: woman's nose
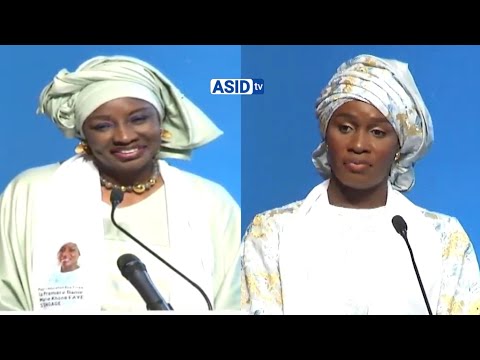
{"x": 124, "y": 134}
{"x": 360, "y": 142}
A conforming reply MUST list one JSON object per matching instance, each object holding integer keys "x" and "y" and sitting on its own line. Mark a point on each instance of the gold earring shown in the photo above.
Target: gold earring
{"x": 397, "y": 156}
{"x": 166, "y": 135}
{"x": 81, "y": 148}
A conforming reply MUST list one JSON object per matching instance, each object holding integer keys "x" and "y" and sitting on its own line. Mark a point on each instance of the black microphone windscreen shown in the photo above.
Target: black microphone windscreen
{"x": 399, "y": 224}
{"x": 128, "y": 262}
{"x": 116, "y": 196}
{"x": 125, "y": 259}
{"x": 136, "y": 273}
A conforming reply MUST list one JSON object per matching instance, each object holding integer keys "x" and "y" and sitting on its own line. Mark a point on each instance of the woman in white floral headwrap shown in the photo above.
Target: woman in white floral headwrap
{"x": 128, "y": 117}
{"x": 345, "y": 248}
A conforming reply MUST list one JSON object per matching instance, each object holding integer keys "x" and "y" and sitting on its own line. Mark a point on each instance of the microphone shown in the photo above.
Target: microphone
{"x": 401, "y": 227}
{"x": 135, "y": 271}
{"x": 116, "y": 197}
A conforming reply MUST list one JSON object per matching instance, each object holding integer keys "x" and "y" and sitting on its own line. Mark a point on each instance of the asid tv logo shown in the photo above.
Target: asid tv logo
{"x": 237, "y": 86}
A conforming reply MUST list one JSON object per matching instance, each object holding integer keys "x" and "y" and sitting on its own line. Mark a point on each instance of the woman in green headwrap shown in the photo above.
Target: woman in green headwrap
{"x": 128, "y": 118}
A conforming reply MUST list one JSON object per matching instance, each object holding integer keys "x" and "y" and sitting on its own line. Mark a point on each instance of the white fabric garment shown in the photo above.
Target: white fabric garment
{"x": 75, "y": 190}
{"x": 356, "y": 263}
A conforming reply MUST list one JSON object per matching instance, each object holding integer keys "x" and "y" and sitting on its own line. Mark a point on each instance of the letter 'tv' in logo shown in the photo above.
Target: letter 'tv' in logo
{"x": 258, "y": 86}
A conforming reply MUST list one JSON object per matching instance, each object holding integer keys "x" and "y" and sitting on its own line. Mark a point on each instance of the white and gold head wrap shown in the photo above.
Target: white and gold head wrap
{"x": 389, "y": 86}
{"x": 72, "y": 96}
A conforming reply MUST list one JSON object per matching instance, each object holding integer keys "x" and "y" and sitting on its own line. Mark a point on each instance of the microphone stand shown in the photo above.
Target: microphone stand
{"x": 401, "y": 227}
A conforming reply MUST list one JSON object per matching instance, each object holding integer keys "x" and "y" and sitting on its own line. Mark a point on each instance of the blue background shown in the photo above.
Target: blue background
{"x": 280, "y": 130}
{"x": 32, "y": 140}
